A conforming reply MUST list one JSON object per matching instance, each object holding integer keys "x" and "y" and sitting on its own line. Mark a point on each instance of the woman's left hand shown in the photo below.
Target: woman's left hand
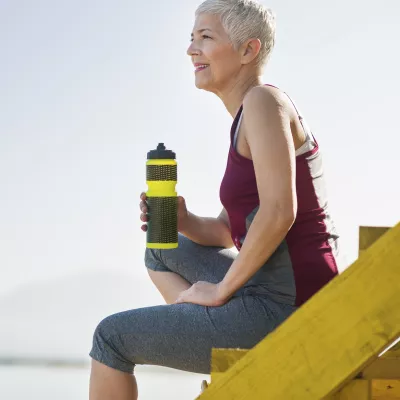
{"x": 202, "y": 293}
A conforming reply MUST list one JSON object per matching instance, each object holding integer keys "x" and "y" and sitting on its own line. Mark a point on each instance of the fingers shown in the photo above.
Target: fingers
{"x": 143, "y": 208}
{"x": 143, "y": 203}
{"x": 181, "y": 200}
{"x": 144, "y": 217}
{"x": 184, "y": 297}
{"x": 180, "y": 299}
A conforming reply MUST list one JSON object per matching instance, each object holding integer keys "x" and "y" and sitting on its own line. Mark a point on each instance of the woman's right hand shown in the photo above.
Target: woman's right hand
{"x": 183, "y": 213}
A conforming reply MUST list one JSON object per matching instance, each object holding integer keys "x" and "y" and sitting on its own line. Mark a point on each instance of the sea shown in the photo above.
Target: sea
{"x": 60, "y": 383}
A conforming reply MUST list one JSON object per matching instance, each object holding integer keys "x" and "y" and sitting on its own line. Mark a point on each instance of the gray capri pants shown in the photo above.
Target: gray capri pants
{"x": 181, "y": 336}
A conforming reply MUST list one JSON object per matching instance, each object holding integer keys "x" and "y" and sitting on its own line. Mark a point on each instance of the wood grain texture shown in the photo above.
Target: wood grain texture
{"x": 386, "y": 390}
{"x": 325, "y": 343}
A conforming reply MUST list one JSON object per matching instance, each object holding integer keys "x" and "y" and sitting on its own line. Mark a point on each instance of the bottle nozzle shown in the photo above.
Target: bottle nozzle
{"x": 161, "y": 153}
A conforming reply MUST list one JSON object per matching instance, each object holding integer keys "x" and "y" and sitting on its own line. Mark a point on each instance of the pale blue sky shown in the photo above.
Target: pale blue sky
{"x": 88, "y": 87}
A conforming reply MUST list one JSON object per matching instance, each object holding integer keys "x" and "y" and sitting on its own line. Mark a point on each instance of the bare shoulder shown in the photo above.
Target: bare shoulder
{"x": 266, "y": 105}
{"x": 270, "y": 107}
{"x": 265, "y": 98}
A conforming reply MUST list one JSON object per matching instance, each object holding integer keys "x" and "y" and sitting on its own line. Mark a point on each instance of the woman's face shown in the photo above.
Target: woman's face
{"x": 216, "y": 61}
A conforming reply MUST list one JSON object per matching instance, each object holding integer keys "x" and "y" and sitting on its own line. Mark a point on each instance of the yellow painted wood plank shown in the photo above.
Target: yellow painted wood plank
{"x": 357, "y": 389}
{"x": 367, "y": 235}
{"x": 223, "y": 359}
{"x": 386, "y": 390}
{"x": 385, "y": 367}
{"x": 329, "y": 339}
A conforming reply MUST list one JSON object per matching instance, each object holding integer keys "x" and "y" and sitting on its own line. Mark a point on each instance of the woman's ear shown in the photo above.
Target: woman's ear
{"x": 250, "y": 50}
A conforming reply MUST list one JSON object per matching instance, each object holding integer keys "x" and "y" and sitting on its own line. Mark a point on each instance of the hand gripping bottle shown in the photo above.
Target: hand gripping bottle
{"x": 162, "y": 200}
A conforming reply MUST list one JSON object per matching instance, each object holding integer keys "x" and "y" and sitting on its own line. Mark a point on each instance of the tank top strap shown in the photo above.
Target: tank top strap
{"x": 302, "y": 120}
{"x": 235, "y": 136}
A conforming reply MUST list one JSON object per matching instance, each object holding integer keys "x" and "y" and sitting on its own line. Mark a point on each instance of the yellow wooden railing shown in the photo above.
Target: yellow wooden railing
{"x": 336, "y": 346}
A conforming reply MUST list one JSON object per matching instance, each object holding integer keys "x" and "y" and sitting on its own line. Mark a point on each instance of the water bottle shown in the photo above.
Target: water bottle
{"x": 162, "y": 199}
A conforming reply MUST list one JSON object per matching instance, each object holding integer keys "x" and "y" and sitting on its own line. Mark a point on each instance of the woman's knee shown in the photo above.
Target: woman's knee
{"x": 162, "y": 259}
{"x": 105, "y": 335}
{"x": 107, "y": 346}
{"x": 153, "y": 260}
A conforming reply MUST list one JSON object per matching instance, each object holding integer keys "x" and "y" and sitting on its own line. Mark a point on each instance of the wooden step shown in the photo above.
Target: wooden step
{"x": 384, "y": 369}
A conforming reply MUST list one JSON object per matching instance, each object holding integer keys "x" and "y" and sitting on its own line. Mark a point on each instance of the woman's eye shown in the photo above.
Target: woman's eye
{"x": 203, "y": 36}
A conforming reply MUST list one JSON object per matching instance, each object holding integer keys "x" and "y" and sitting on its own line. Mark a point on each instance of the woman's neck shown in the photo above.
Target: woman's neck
{"x": 233, "y": 96}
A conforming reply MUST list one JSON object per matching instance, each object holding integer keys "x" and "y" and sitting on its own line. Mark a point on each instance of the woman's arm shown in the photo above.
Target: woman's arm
{"x": 208, "y": 231}
{"x": 266, "y": 123}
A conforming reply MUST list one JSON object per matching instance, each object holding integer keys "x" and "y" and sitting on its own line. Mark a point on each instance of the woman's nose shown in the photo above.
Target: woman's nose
{"x": 192, "y": 50}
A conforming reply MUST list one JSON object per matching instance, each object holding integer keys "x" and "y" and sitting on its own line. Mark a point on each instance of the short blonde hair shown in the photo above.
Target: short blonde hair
{"x": 242, "y": 20}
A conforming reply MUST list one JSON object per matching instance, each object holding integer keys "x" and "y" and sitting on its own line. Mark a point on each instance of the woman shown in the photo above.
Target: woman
{"x": 275, "y": 213}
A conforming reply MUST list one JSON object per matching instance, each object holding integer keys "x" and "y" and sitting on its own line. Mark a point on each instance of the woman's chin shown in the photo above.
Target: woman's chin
{"x": 202, "y": 85}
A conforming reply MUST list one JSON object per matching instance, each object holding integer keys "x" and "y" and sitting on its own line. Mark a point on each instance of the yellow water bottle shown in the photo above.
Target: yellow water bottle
{"x": 162, "y": 199}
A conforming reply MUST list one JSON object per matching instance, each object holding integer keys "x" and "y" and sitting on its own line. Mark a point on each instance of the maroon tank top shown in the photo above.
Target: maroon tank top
{"x": 307, "y": 258}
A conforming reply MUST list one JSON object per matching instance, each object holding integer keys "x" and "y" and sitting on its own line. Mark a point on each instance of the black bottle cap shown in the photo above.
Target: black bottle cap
{"x": 161, "y": 153}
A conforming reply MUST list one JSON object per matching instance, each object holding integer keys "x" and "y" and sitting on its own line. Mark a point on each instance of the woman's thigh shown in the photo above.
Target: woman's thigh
{"x": 192, "y": 261}
{"x": 181, "y": 336}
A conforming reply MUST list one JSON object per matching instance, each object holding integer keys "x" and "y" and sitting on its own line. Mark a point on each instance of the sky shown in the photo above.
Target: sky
{"x": 88, "y": 87}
